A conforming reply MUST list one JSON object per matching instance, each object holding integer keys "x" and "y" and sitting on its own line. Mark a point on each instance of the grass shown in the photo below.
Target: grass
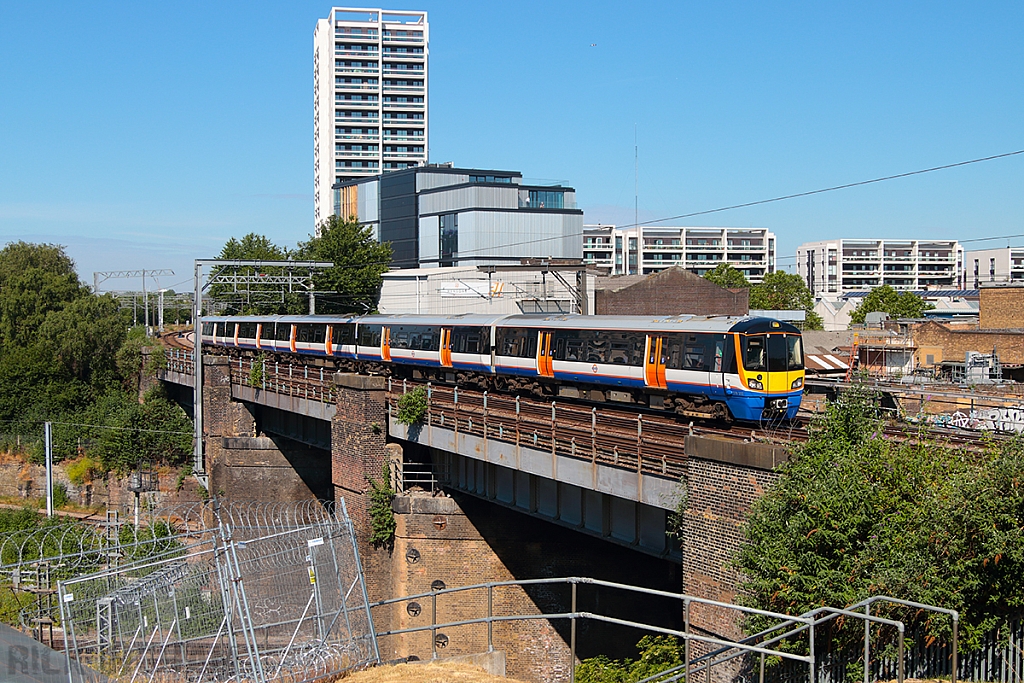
{"x": 429, "y": 672}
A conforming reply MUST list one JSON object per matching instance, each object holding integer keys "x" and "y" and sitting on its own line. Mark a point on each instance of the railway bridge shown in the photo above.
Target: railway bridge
{"x": 530, "y": 486}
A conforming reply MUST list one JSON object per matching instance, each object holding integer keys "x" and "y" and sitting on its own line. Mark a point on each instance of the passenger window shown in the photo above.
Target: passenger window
{"x": 574, "y": 349}
{"x": 597, "y": 349}
{"x": 719, "y": 355}
{"x": 694, "y": 358}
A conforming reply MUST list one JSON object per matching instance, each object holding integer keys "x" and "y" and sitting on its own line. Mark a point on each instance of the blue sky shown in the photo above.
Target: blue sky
{"x": 146, "y": 135}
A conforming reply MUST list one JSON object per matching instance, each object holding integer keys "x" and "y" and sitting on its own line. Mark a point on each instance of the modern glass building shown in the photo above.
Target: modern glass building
{"x": 437, "y": 215}
{"x": 370, "y": 96}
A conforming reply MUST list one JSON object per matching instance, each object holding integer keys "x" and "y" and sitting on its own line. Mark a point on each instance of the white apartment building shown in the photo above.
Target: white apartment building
{"x": 370, "y": 96}
{"x": 616, "y": 250}
{"x": 1005, "y": 264}
{"x": 833, "y": 268}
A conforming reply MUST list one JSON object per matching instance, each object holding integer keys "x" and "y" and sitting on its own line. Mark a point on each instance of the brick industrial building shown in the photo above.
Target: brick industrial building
{"x": 674, "y": 291}
{"x": 1000, "y": 327}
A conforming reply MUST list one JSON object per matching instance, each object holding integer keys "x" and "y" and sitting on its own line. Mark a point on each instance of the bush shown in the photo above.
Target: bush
{"x": 854, "y": 514}
{"x": 382, "y": 517}
{"x": 60, "y": 496}
{"x": 412, "y": 406}
{"x": 657, "y": 653}
{"x": 82, "y": 470}
{"x": 256, "y": 376}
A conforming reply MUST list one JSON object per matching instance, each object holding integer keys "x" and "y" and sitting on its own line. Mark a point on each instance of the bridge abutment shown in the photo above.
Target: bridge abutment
{"x": 724, "y": 479}
{"x": 244, "y": 465}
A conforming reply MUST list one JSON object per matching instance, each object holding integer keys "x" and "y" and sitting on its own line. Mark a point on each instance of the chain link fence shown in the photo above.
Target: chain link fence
{"x": 259, "y": 595}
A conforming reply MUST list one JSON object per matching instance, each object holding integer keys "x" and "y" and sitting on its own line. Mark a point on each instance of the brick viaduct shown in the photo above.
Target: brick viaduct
{"x": 462, "y": 538}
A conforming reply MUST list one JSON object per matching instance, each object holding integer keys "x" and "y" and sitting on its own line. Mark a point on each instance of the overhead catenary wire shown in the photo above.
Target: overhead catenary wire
{"x": 742, "y": 205}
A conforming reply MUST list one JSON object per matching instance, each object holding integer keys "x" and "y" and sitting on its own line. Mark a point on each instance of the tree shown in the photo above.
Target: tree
{"x": 85, "y": 336}
{"x": 781, "y": 291}
{"x": 888, "y": 300}
{"x": 35, "y": 279}
{"x": 724, "y": 275}
{"x": 359, "y": 262}
{"x": 255, "y": 298}
{"x": 854, "y": 514}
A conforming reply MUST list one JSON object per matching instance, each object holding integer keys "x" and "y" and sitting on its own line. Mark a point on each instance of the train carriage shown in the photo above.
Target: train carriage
{"x": 721, "y": 367}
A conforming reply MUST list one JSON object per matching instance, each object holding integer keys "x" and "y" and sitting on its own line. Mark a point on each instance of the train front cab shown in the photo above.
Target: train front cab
{"x": 770, "y": 368}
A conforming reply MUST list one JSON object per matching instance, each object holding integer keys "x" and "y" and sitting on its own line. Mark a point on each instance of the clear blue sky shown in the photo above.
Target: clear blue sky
{"x": 147, "y": 134}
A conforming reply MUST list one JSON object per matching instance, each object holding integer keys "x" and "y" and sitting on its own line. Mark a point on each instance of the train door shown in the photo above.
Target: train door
{"x": 545, "y": 368}
{"x": 778, "y": 364}
{"x": 716, "y": 364}
{"x": 385, "y": 343}
{"x": 446, "y": 347}
{"x": 654, "y": 363}
{"x": 328, "y": 345}
{"x": 259, "y": 334}
{"x": 235, "y": 325}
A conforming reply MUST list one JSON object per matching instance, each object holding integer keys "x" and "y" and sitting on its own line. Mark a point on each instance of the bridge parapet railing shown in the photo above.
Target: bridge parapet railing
{"x": 311, "y": 382}
{"x": 604, "y": 436}
{"x": 179, "y": 360}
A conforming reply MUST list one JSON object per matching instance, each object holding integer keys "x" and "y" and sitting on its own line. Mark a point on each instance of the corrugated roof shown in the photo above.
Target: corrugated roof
{"x": 824, "y": 362}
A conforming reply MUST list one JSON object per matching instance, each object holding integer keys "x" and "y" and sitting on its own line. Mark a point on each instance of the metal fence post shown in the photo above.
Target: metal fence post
{"x": 572, "y": 638}
{"x": 433, "y": 627}
{"x": 956, "y": 654}
{"x": 490, "y": 618}
{"x": 901, "y": 663}
{"x": 810, "y": 662}
{"x": 686, "y": 640}
{"x": 867, "y": 644}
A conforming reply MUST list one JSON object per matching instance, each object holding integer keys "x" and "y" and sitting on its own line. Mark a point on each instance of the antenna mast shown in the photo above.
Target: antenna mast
{"x": 636, "y": 207}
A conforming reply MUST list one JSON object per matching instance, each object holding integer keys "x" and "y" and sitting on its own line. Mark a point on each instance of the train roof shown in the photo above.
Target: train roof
{"x": 675, "y": 323}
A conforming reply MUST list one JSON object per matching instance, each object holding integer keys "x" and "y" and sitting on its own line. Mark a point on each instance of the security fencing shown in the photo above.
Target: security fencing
{"x": 267, "y": 593}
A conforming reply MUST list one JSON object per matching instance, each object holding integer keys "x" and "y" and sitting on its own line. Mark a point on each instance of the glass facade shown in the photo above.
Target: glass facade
{"x": 546, "y": 199}
{"x": 449, "y": 237}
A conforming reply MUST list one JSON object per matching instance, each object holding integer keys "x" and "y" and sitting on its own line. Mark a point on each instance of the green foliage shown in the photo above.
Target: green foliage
{"x": 35, "y": 281}
{"x": 83, "y": 469}
{"x": 256, "y": 371}
{"x": 382, "y": 517}
{"x": 781, "y": 291}
{"x": 154, "y": 540}
{"x": 60, "y": 496}
{"x": 854, "y": 514}
{"x": 155, "y": 429}
{"x": 139, "y": 354}
{"x": 184, "y": 474}
{"x": 255, "y": 298}
{"x": 724, "y": 275}
{"x": 888, "y": 300}
{"x": 657, "y": 653}
{"x": 412, "y": 406}
{"x": 359, "y": 262}
{"x": 352, "y": 285}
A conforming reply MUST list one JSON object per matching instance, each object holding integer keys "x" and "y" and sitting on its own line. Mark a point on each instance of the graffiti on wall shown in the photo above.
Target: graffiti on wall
{"x": 1008, "y": 419}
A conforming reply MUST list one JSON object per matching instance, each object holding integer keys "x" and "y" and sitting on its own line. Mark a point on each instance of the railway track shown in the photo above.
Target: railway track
{"x": 631, "y": 436}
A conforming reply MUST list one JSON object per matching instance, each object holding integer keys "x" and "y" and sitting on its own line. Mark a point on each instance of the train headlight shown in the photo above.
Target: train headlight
{"x": 754, "y": 384}
{"x": 797, "y": 383}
